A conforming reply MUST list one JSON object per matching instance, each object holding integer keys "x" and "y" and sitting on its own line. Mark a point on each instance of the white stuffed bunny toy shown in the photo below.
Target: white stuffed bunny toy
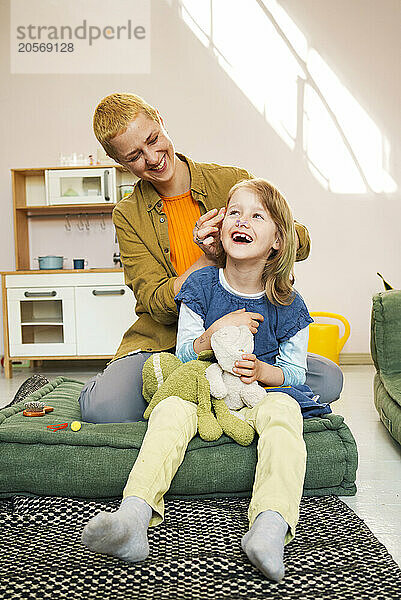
{"x": 229, "y": 344}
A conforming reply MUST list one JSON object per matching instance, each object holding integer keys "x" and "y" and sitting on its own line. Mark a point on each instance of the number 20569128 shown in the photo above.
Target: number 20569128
{"x": 45, "y": 47}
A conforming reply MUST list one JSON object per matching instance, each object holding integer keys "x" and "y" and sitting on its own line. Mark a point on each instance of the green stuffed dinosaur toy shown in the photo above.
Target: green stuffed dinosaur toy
{"x": 165, "y": 375}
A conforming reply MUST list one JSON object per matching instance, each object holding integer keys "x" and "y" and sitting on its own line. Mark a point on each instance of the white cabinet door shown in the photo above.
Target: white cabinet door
{"x": 103, "y": 314}
{"x": 41, "y": 321}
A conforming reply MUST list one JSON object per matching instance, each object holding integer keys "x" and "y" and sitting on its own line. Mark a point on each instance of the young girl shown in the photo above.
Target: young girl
{"x": 252, "y": 287}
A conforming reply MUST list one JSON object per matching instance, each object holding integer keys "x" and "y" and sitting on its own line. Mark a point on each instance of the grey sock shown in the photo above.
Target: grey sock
{"x": 122, "y": 533}
{"x": 264, "y": 544}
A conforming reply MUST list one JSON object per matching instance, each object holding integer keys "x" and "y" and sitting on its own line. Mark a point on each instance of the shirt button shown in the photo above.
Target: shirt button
{"x": 148, "y": 349}
{"x": 149, "y": 205}
{"x": 166, "y": 250}
{"x": 162, "y": 219}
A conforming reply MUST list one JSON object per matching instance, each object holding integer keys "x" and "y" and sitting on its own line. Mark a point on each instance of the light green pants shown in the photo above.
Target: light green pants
{"x": 280, "y": 469}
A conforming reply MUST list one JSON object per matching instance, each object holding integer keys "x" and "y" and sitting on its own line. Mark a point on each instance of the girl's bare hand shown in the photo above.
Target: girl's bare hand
{"x": 206, "y": 233}
{"x": 240, "y": 317}
{"x": 250, "y": 368}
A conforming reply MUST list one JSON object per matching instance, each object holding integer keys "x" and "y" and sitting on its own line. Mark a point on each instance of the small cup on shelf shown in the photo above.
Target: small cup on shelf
{"x": 79, "y": 263}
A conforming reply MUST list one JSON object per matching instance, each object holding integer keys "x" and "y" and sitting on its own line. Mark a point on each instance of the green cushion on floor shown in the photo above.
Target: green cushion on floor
{"x": 386, "y": 353}
{"x": 95, "y": 461}
{"x": 387, "y": 407}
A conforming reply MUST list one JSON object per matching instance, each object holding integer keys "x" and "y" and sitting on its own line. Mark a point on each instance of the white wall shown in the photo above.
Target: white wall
{"x": 210, "y": 119}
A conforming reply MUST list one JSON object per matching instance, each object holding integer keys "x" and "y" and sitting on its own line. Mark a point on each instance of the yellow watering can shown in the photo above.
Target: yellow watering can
{"x": 325, "y": 339}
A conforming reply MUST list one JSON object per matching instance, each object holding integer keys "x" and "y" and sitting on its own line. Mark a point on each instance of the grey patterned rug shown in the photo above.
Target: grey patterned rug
{"x": 195, "y": 554}
{"x": 30, "y": 385}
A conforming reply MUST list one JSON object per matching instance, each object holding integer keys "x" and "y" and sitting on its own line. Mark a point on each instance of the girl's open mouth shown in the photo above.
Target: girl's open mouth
{"x": 241, "y": 238}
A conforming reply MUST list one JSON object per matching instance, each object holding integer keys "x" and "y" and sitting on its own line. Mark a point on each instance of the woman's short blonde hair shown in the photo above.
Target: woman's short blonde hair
{"x": 114, "y": 113}
{"x": 277, "y": 276}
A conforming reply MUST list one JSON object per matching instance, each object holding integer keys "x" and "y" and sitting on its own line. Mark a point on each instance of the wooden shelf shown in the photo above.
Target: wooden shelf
{"x": 29, "y": 197}
{"x": 53, "y": 271}
{"x": 43, "y": 321}
{"x": 63, "y": 209}
{"x": 41, "y": 170}
{"x": 67, "y": 357}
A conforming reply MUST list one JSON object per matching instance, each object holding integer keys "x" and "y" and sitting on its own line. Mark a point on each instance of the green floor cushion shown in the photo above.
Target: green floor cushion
{"x": 386, "y": 353}
{"x": 387, "y": 407}
{"x": 95, "y": 461}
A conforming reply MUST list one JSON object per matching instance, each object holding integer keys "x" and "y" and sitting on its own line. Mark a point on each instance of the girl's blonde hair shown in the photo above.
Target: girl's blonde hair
{"x": 114, "y": 113}
{"x": 277, "y": 275}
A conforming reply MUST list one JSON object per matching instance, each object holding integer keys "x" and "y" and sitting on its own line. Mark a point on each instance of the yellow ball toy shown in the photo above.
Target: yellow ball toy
{"x": 76, "y": 426}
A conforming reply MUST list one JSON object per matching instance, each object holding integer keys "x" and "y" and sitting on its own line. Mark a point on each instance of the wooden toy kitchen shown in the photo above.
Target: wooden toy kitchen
{"x": 54, "y": 313}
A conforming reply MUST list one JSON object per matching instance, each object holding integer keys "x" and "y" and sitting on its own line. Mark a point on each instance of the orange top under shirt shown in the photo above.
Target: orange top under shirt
{"x": 182, "y": 213}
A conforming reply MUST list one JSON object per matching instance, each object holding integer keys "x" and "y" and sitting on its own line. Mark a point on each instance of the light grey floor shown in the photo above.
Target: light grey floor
{"x": 378, "y": 500}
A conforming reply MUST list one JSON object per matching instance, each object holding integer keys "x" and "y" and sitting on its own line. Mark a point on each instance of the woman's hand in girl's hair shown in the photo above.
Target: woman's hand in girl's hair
{"x": 207, "y": 231}
{"x": 250, "y": 368}
{"x": 239, "y": 317}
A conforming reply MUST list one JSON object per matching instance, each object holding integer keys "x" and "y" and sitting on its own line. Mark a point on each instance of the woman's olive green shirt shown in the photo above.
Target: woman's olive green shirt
{"x": 142, "y": 233}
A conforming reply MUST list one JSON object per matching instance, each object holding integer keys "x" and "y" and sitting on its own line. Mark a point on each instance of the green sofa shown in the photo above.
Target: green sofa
{"x": 386, "y": 353}
{"x": 95, "y": 461}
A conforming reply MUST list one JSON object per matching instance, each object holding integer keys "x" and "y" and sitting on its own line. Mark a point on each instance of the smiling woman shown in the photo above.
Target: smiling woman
{"x": 161, "y": 246}
{"x": 152, "y": 156}
{"x": 143, "y": 146}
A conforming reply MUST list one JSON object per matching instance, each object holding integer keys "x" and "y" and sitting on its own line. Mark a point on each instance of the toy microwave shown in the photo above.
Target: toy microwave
{"x": 81, "y": 186}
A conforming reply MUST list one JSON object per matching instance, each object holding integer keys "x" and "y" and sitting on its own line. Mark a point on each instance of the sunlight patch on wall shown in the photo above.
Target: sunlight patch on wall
{"x": 257, "y": 59}
{"x": 196, "y": 15}
{"x": 344, "y": 172}
{"x": 268, "y": 58}
{"x": 327, "y": 158}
